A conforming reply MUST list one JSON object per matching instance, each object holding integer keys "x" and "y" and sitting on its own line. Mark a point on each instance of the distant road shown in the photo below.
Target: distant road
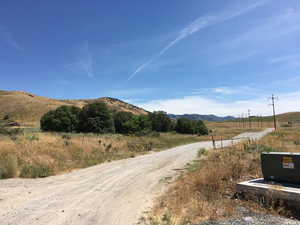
{"x": 115, "y": 193}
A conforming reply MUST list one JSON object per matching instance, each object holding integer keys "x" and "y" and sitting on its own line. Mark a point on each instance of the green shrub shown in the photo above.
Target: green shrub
{"x": 63, "y": 119}
{"x": 154, "y": 134}
{"x": 32, "y": 137}
{"x": 10, "y": 131}
{"x": 121, "y": 119}
{"x": 259, "y": 148}
{"x": 36, "y": 171}
{"x": 138, "y": 125}
{"x": 161, "y": 122}
{"x": 202, "y": 151}
{"x": 96, "y": 118}
{"x": 188, "y": 126}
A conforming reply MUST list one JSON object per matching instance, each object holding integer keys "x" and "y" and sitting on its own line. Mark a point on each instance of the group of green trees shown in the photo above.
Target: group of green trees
{"x": 97, "y": 118}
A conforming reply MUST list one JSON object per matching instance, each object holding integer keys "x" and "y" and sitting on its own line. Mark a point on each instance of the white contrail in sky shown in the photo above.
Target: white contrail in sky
{"x": 198, "y": 24}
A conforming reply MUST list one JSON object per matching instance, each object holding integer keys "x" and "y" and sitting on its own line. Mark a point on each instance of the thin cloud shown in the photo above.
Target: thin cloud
{"x": 7, "y": 37}
{"x": 84, "y": 62}
{"x": 290, "y": 60}
{"x": 197, "y": 25}
{"x": 288, "y": 102}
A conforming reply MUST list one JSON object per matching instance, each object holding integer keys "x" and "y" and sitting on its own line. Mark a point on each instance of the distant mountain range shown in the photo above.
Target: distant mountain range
{"x": 201, "y": 117}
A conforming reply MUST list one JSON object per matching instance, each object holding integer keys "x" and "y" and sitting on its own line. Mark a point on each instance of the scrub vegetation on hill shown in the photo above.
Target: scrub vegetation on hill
{"x": 97, "y": 118}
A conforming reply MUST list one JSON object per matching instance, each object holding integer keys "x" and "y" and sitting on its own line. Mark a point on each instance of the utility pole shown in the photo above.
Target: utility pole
{"x": 243, "y": 120}
{"x": 274, "y": 114}
{"x": 249, "y": 118}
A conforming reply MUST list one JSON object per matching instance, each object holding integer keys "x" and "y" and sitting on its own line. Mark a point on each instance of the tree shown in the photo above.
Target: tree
{"x": 160, "y": 121}
{"x": 96, "y": 118}
{"x": 144, "y": 123}
{"x": 200, "y": 128}
{"x": 188, "y": 126}
{"x": 63, "y": 119}
{"x": 121, "y": 122}
{"x": 184, "y": 126}
{"x": 137, "y": 124}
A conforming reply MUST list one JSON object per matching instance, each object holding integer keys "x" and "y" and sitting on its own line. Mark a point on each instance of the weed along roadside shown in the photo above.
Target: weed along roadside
{"x": 44, "y": 154}
{"x": 206, "y": 191}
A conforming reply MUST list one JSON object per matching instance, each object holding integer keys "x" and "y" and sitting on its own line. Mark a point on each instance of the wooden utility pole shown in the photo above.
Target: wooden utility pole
{"x": 249, "y": 118}
{"x": 274, "y": 114}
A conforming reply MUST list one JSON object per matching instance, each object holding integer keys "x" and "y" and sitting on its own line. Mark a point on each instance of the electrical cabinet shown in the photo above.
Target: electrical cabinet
{"x": 281, "y": 167}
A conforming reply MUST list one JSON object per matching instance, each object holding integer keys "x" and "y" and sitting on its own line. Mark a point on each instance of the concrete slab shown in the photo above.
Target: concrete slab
{"x": 287, "y": 194}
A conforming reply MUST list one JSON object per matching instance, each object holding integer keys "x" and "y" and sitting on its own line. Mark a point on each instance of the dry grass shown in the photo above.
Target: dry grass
{"x": 205, "y": 190}
{"x": 28, "y": 108}
{"x": 36, "y": 154}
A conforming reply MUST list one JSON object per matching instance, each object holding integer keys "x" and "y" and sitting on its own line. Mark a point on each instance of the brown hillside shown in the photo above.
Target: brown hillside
{"x": 290, "y": 116}
{"x": 285, "y": 117}
{"x": 28, "y": 108}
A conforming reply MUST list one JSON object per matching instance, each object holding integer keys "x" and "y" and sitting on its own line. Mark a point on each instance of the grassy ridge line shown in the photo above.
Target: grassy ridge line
{"x": 28, "y": 108}
{"x": 283, "y": 118}
{"x": 205, "y": 189}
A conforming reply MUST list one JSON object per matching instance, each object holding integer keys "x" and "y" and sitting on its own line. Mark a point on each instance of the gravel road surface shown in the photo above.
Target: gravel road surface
{"x": 115, "y": 193}
{"x": 255, "y": 220}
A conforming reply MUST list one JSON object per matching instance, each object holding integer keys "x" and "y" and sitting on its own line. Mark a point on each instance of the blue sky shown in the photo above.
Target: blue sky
{"x": 219, "y": 57}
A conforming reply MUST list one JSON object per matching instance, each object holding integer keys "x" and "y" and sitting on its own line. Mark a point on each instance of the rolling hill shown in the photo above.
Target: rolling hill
{"x": 201, "y": 117}
{"x": 285, "y": 117}
{"x": 25, "y": 107}
{"x": 293, "y": 117}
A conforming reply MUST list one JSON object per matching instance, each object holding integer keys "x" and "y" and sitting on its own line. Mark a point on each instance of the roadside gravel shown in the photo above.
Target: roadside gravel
{"x": 254, "y": 220}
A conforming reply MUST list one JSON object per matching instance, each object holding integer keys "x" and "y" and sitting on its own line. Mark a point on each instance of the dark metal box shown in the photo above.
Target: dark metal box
{"x": 281, "y": 167}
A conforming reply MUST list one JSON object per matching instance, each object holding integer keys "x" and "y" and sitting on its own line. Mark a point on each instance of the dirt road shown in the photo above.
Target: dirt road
{"x": 114, "y": 193}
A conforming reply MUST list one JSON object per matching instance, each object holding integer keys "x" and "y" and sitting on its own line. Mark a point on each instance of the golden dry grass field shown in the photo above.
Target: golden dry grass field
{"x": 32, "y": 153}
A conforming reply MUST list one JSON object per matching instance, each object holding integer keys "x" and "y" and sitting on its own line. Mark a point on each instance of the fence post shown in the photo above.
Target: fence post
{"x": 222, "y": 142}
{"x": 213, "y": 142}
